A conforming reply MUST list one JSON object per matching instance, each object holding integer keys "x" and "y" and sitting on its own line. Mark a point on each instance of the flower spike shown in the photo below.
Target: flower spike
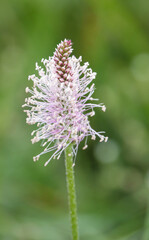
{"x": 59, "y": 102}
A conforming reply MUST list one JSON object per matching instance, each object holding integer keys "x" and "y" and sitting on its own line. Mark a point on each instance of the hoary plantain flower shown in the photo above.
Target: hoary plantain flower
{"x": 60, "y": 105}
{"x": 60, "y": 102}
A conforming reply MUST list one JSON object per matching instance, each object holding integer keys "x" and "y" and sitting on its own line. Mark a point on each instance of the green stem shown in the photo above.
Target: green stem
{"x": 71, "y": 192}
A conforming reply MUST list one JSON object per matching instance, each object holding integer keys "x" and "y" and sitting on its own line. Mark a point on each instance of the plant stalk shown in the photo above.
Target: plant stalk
{"x": 71, "y": 192}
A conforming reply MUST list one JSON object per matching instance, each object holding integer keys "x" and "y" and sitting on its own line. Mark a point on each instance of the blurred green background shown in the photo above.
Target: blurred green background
{"x": 111, "y": 178}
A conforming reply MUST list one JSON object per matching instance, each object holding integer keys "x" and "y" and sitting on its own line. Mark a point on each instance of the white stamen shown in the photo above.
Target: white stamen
{"x": 106, "y": 139}
{"x": 103, "y": 108}
{"x": 92, "y": 113}
{"x": 93, "y": 137}
{"x": 85, "y": 147}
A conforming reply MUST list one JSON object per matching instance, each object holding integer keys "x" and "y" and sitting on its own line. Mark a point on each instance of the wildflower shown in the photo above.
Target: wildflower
{"x": 60, "y": 102}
